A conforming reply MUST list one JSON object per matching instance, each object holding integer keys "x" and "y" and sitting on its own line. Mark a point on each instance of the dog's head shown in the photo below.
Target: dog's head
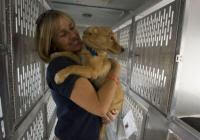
{"x": 101, "y": 38}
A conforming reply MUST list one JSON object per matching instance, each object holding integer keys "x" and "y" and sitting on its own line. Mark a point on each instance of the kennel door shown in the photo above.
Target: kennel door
{"x": 156, "y": 40}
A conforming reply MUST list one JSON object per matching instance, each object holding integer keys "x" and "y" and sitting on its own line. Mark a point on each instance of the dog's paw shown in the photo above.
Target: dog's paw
{"x": 59, "y": 79}
{"x": 94, "y": 76}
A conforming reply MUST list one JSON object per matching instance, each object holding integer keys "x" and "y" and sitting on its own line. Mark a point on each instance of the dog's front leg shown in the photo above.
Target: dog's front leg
{"x": 84, "y": 71}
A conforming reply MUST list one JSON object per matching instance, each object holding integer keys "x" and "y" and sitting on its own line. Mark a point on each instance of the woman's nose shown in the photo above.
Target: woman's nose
{"x": 74, "y": 34}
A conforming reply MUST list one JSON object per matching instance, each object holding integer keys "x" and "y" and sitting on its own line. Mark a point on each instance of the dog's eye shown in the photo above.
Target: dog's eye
{"x": 112, "y": 38}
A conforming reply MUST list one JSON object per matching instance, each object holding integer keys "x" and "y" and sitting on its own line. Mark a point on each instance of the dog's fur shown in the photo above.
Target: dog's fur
{"x": 100, "y": 39}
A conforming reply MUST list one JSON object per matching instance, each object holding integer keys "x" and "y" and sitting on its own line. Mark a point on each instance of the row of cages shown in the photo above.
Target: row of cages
{"x": 27, "y": 111}
{"x": 148, "y": 73}
{"x": 147, "y": 65}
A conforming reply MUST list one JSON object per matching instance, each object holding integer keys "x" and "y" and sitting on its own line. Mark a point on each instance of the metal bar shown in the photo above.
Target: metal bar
{"x": 21, "y": 129}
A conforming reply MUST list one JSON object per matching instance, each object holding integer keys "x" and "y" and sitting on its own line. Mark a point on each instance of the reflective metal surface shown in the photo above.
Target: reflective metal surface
{"x": 3, "y": 96}
{"x": 187, "y": 87}
{"x": 154, "y": 54}
{"x": 157, "y": 125}
{"x": 50, "y": 107}
{"x": 26, "y": 111}
{"x": 187, "y": 91}
{"x": 2, "y": 70}
{"x": 103, "y": 12}
{"x": 38, "y": 123}
{"x": 123, "y": 35}
{"x": 27, "y": 68}
{"x": 34, "y": 126}
{"x": 2, "y": 24}
{"x": 139, "y": 109}
{"x": 160, "y": 63}
{"x": 180, "y": 131}
{"x": 155, "y": 41}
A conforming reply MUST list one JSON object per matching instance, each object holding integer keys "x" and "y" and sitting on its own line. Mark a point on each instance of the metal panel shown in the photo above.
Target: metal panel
{"x": 2, "y": 126}
{"x": 126, "y": 4}
{"x": 52, "y": 135}
{"x": 25, "y": 14}
{"x": 2, "y": 24}
{"x": 27, "y": 68}
{"x": 139, "y": 108}
{"x": 114, "y": 129}
{"x": 156, "y": 125}
{"x": 154, "y": 55}
{"x": 51, "y": 106}
{"x": 124, "y": 39}
{"x": 2, "y": 70}
{"x": 187, "y": 89}
{"x": 134, "y": 103}
{"x": 51, "y": 114}
{"x": 130, "y": 54}
{"x": 22, "y": 73}
{"x": 178, "y": 130}
{"x": 3, "y": 96}
{"x": 34, "y": 125}
{"x": 104, "y": 12}
{"x": 36, "y": 129}
{"x": 123, "y": 35}
{"x": 45, "y": 82}
{"x": 7, "y": 94}
{"x": 172, "y": 136}
{"x": 99, "y": 15}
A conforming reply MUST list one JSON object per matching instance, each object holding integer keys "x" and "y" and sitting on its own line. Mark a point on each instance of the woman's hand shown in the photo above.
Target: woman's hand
{"x": 115, "y": 68}
{"x": 110, "y": 116}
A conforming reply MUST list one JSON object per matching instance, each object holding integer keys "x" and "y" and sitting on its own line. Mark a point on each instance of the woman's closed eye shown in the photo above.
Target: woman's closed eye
{"x": 63, "y": 33}
{"x": 72, "y": 28}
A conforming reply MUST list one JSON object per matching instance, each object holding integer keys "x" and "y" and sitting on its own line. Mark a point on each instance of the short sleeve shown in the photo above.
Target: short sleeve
{"x": 66, "y": 87}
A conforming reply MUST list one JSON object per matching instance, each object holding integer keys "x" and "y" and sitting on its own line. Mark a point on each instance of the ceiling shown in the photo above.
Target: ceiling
{"x": 100, "y": 12}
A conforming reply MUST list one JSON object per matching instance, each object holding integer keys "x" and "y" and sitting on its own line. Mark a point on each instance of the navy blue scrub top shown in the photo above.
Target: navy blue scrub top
{"x": 74, "y": 123}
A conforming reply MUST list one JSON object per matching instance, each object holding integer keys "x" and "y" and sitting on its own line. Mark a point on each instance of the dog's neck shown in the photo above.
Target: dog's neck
{"x": 71, "y": 55}
{"x": 102, "y": 53}
{"x": 92, "y": 51}
{"x": 96, "y": 52}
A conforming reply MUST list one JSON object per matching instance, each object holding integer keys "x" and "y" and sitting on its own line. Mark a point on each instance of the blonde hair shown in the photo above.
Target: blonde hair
{"x": 47, "y": 24}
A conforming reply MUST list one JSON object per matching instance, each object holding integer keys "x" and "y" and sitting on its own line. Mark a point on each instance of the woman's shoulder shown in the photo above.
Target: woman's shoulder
{"x": 62, "y": 60}
{"x": 56, "y": 65}
{"x": 59, "y": 63}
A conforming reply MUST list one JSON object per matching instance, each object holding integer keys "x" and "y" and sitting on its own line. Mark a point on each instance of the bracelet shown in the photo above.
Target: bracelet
{"x": 114, "y": 78}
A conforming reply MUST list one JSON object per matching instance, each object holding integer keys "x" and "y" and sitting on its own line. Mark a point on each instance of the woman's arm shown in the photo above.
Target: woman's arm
{"x": 98, "y": 103}
{"x": 110, "y": 116}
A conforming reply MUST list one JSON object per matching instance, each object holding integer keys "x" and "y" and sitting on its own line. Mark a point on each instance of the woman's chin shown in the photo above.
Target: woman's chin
{"x": 78, "y": 48}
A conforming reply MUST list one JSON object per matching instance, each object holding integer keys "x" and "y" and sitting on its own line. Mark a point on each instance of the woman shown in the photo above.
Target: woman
{"x": 80, "y": 106}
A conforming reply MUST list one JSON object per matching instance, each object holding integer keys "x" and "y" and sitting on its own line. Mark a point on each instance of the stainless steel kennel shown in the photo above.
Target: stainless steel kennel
{"x": 160, "y": 68}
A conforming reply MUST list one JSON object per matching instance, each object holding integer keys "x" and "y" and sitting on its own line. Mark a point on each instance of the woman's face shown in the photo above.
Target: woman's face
{"x": 66, "y": 37}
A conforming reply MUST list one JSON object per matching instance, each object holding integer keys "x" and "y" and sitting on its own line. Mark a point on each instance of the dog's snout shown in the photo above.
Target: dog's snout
{"x": 122, "y": 49}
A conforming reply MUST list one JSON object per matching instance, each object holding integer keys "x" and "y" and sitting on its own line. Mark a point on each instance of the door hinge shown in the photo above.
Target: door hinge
{"x": 178, "y": 58}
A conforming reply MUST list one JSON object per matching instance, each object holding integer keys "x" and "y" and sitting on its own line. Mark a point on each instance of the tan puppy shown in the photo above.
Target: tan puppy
{"x": 99, "y": 40}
